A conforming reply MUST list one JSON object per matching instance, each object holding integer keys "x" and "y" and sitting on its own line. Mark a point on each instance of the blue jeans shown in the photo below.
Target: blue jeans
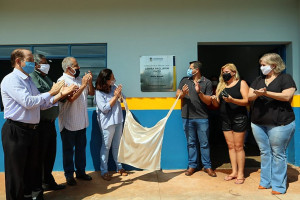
{"x": 71, "y": 140}
{"x": 111, "y": 135}
{"x": 272, "y": 142}
{"x": 194, "y": 128}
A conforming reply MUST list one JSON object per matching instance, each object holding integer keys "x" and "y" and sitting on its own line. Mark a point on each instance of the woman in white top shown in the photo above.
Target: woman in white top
{"x": 110, "y": 119}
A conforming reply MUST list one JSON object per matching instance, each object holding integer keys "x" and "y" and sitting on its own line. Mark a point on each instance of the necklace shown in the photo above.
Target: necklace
{"x": 269, "y": 80}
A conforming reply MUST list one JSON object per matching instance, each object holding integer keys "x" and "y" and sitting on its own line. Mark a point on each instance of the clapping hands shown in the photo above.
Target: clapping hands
{"x": 56, "y": 87}
{"x": 87, "y": 78}
{"x": 260, "y": 92}
{"x": 67, "y": 90}
{"x": 185, "y": 89}
{"x": 118, "y": 91}
{"x": 197, "y": 86}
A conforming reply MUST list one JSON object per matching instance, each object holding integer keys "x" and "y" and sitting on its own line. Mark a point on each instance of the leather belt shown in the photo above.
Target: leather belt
{"x": 22, "y": 124}
{"x": 47, "y": 121}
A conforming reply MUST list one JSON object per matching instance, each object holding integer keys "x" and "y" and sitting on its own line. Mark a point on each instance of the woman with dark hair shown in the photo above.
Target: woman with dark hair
{"x": 110, "y": 119}
{"x": 272, "y": 120}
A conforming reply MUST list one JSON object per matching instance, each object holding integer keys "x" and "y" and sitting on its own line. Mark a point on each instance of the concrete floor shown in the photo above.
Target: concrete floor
{"x": 170, "y": 184}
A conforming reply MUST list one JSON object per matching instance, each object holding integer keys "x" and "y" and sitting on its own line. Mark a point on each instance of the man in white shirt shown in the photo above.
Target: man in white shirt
{"x": 73, "y": 120}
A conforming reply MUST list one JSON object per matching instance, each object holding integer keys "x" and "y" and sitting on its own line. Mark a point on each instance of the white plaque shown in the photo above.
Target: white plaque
{"x": 158, "y": 73}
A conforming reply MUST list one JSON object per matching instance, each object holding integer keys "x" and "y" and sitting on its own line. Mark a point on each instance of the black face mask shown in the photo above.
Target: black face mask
{"x": 77, "y": 72}
{"x": 226, "y": 76}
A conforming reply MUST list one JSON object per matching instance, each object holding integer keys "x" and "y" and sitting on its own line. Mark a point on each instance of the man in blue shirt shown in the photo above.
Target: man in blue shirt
{"x": 22, "y": 104}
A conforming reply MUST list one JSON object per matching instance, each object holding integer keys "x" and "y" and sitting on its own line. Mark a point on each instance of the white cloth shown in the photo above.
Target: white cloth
{"x": 73, "y": 115}
{"x": 141, "y": 146}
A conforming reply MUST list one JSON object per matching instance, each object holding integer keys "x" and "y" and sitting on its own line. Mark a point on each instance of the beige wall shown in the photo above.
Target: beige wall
{"x": 133, "y": 28}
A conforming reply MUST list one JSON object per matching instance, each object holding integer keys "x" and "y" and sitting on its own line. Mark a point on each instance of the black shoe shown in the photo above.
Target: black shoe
{"x": 71, "y": 181}
{"x": 40, "y": 196}
{"x": 27, "y": 198}
{"x": 53, "y": 186}
{"x": 84, "y": 177}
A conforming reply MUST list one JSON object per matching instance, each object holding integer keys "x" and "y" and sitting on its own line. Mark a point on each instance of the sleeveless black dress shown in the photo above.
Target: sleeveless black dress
{"x": 234, "y": 117}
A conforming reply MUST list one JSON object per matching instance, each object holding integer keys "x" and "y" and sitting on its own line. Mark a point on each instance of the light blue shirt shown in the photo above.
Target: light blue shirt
{"x": 107, "y": 115}
{"x": 21, "y": 99}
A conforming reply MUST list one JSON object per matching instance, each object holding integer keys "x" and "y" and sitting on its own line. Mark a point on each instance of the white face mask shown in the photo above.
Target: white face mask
{"x": 113, "y": 82}
{"x": 44, "y": 68}
{"x": 266, "y": 69}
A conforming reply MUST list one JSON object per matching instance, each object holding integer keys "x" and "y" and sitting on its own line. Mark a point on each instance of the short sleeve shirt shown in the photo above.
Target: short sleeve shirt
{"x": 191, "y": 105}
{"x": 73, "y": 115}
{"x": 268, "y": 111}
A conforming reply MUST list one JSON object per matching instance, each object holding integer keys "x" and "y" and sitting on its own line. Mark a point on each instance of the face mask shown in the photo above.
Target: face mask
{"x": 113, "y": 82}
{"x": 29, "y": 67}
{"x": 214, "y": 83}
{"x": 266, "y": 69}
{"x": 76, "y": 73}
{"x": 189, "y": 73}
{"x": 226, "y": 76}
{"x": 44, "y": 68}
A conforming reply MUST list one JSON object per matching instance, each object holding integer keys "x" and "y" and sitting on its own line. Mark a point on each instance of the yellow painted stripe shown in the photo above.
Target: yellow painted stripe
{"x": 165, "y": 103}
{"x": 296, "y": 101}
{"x": 155, "y": 103}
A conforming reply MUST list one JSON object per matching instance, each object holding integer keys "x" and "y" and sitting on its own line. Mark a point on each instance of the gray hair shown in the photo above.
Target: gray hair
{"x": 273, "y": 59}
{"x": 67, "y": 62}
{"x": 38, "y": 57}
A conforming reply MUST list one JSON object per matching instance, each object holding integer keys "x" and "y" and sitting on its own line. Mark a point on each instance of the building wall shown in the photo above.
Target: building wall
{"x": 134, "y": 28}
{"x": 174, "y": 150}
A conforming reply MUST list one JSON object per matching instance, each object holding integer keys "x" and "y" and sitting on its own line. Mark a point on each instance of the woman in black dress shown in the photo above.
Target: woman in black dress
{"x": 232, "y": 98}
{"x": 272, "y": 120}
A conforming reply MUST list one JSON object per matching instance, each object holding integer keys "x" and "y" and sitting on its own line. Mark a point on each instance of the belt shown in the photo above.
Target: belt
{"x": 22, "y": 124}
{"x": 47, "y": 120}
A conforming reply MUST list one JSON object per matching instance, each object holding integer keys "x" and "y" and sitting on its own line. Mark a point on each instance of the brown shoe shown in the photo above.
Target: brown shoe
{"x": 190, "y": 171}
{"x": 261, "y": 187}
{"x": 122, "y": 172}
{"x": 275, "y": 192}
{"x": 210, "y": 172}
{"x": 106, "y": 177}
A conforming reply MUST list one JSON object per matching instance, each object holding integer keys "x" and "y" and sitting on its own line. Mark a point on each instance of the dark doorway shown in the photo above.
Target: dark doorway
{"x": 246, "y": 58}
{"x": 56, "y": 70}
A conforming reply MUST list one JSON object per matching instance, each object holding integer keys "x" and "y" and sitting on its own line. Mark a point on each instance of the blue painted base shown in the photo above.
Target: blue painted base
{"x": 174, "y": 151}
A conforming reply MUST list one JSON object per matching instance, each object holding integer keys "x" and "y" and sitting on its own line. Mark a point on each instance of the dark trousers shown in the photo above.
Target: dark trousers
{"x": 20, "y": 147}
{"x": 47, "y": 152}
{"x": 71, "y": 140}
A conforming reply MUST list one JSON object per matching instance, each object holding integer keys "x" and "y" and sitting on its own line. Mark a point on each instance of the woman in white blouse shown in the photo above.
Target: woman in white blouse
{"x": 110, "y": 119}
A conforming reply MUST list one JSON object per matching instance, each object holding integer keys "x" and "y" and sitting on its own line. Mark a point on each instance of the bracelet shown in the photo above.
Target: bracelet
{"x": 200, "y": 92}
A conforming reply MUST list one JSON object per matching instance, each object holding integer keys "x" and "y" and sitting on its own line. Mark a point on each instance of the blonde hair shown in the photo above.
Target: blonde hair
{"x": 222, "y": 83}
{"x": 273, "y": 59}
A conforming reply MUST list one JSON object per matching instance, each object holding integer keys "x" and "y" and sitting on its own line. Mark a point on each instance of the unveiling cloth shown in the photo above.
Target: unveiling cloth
{"x": 141, "y": 146}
